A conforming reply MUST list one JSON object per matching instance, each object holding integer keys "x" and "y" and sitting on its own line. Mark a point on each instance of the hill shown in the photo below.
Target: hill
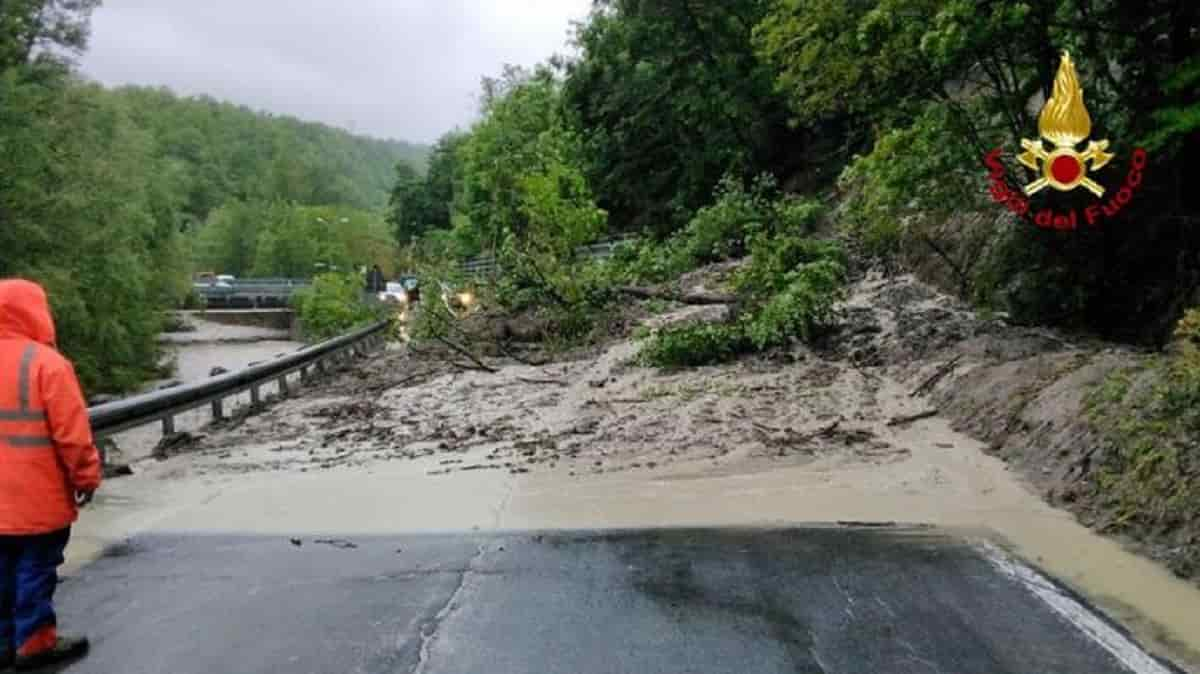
{"x": 224, "y": 151}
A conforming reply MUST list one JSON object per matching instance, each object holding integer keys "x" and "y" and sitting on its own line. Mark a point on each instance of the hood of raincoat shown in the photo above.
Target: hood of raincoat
{"x": 25, "y": 312}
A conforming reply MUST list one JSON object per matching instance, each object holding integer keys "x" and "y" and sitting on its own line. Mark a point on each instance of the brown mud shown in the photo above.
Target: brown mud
{"x": 904, "y": 416}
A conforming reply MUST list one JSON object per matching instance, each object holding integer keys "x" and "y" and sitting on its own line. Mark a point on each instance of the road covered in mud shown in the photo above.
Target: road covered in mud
{"x": 863, "y": 431}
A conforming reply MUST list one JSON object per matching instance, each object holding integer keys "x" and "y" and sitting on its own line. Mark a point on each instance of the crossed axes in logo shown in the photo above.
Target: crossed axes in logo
{"x": 1064, "y": 168}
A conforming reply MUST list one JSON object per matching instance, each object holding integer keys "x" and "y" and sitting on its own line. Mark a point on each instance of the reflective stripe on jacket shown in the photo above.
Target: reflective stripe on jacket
{"x": 46, "y": 447}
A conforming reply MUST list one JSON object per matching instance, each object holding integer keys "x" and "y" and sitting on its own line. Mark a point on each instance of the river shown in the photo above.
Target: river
{"x": 196, "y": 353}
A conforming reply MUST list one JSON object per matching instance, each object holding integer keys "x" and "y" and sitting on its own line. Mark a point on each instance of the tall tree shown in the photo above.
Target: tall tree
{"x": 51, "y": 31}
{"x": 409, "y": 204}
{"x": 670, "y": 97}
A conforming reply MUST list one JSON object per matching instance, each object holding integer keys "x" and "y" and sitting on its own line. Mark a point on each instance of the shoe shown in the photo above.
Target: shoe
{"x": 65, "y": 649}
{"x": 6, "y": 661}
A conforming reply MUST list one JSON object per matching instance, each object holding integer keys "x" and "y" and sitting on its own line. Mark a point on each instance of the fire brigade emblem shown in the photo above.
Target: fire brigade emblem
{"x": 1064, "y": 123}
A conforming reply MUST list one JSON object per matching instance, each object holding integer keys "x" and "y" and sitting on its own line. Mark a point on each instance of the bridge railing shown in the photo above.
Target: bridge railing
{"x": 251, "y": 291}
{"x": 163, "y": 406}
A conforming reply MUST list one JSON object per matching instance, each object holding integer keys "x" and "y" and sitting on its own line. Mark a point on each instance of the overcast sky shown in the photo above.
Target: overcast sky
{"x": 406, "y": 69}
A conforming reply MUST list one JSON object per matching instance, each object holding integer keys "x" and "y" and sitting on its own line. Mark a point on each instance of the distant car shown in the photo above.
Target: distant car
{"x": 395, "y": 293}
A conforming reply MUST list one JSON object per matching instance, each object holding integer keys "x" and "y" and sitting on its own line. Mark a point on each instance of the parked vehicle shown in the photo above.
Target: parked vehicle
{"x": 395, "y": 292}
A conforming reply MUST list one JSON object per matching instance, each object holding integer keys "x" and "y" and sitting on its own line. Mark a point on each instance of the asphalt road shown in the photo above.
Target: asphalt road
{"x": 819, "y": 600}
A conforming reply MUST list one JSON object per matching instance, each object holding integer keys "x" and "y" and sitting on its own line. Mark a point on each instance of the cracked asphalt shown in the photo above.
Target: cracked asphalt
{"x": 817, "y": 599}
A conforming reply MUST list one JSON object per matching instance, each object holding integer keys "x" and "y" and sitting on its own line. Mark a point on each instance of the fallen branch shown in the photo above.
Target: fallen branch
{"x": 682, "y": 298}
{"x": 507, "y": 352}
{"x": 793, "y": 436}
{"x": 557, "y": 382}
{"x": 388, "y": 385}
{"x": 908, "y": 419}
{"x": 484, "y": 367}
{"x": 946, "y": 368}
{"x": 470, "y": 368}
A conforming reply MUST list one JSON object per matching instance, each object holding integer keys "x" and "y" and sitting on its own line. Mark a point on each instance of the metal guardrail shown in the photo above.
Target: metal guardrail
{"x": 601, "y": 250}
{"x": 164, "y": 405}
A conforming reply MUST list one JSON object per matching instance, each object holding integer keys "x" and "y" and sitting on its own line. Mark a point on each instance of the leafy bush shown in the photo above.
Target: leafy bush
{"x": 804, "y": 306}
{"x": 775, "y": 258}
{"x": 724, "y": 230}
{"x": 693, "y": 344}
{"x": 790, "y": 288}
{"x": 334, "y": 305}
{"x": 719, "y": 231}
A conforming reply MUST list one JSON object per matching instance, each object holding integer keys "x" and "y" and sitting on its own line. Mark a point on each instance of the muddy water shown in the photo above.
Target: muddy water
{"x": 195, "y": 355}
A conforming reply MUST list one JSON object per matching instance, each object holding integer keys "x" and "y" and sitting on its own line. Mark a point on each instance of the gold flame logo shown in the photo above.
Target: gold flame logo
{"x": 1065, "y": 122}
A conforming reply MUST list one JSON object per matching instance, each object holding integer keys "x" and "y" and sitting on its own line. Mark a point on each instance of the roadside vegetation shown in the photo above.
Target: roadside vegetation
{"x": 334, "y": 306}
{"x": 879, "y": 114}
{"x": 111, "y": 198}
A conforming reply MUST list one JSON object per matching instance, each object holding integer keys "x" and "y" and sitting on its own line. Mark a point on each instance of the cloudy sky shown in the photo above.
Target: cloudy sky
{"x": 406, "y": 69}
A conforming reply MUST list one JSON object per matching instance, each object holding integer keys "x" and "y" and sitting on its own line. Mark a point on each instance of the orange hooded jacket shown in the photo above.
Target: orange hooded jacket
{"x": 46, "y": 447}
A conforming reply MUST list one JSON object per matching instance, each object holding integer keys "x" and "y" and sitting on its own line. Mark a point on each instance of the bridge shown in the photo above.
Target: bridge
{"x": 250, "y": 293}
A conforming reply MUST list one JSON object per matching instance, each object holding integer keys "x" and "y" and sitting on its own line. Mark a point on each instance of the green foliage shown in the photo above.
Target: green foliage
{"x": 693, "y": 345}
{"x": 284, "y": 239}
{"x": 726, "y": 229}
{"x": 669, "y": 97}
{"x": 776, "y": 258}
{"x": 912, "y": 178}
{"x": 789, "y": 289}
{"x": 409, "y": 203}
{"x": 333, "y": 306}
{"x": 223, "y": 152}
{"x": 804, "y": 306}
{"x": 938, "y": 83}
{"x": 1180, "y": 118}
{"x": 85, "y": 210}
{"x": 515, "y": 188}
{"x": 42, "y": 32}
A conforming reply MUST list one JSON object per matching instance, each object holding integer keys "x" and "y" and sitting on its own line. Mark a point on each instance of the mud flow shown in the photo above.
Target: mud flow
{"x": 871, "y": 428}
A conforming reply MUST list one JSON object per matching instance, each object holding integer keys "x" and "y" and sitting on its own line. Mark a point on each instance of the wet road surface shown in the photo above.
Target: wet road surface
{"x": 820, "y": 600}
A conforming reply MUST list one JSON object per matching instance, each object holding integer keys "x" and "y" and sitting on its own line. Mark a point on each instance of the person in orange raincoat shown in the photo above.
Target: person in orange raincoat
{"x": 49, "y": 466}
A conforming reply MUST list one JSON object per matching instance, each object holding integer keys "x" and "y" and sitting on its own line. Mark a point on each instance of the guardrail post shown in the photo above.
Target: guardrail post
{"x": 303, "y": 374}
{"x": 162, "y": 407}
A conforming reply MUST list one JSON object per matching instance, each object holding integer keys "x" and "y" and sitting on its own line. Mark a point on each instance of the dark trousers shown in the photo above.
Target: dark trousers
{"x": 28, "y": 577}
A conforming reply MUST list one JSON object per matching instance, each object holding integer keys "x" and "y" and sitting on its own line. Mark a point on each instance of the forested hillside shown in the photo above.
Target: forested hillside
{"x": 882, "y": 110}
{"x": 800, "y": 143}
{"x": 110, "y": 198}
{"x": 221, "y": 152}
